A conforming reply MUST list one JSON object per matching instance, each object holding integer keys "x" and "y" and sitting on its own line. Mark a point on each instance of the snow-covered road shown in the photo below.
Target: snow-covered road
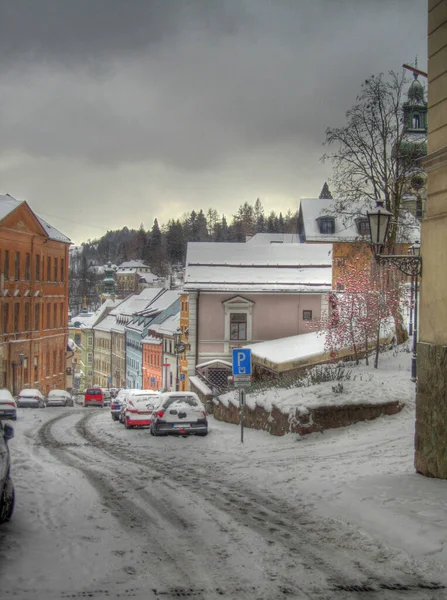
{"x": 105, "y": 512}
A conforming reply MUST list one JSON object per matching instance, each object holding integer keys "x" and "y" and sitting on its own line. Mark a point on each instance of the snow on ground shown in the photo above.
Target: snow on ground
{"x": 103, "y": 508}
{"x": 361, "y": 384}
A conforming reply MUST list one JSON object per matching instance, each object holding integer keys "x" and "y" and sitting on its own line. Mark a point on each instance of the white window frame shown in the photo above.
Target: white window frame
{"x": 237, "y": 304}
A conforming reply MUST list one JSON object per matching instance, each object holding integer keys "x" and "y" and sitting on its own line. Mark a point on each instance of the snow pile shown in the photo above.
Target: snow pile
{"x": 357, "y": 385}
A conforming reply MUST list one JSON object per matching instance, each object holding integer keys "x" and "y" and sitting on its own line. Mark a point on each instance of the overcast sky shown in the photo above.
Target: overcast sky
{"x": 113, "y": 112}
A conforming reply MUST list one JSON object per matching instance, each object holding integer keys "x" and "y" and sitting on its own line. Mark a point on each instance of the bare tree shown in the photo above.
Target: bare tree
{"x": 373, "y": 157}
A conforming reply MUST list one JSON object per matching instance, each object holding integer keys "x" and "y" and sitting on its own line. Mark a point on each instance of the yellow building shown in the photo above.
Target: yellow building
{"x": 184, "y": 327}
{"x": 431, "y": 397}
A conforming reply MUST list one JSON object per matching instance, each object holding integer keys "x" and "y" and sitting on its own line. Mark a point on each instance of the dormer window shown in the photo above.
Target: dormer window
{"x": 362, "y": 226}
{"x": 326, "y": 224}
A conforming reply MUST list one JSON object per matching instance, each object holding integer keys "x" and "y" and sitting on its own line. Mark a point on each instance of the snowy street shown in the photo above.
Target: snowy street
{"x": 105, "y": 512}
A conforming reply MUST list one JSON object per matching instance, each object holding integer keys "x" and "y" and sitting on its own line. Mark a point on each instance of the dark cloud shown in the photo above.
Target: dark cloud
{"x": 191, "y": 88}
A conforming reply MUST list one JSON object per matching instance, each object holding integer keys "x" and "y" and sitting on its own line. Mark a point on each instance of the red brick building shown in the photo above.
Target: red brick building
{"x": 33, "y": 299}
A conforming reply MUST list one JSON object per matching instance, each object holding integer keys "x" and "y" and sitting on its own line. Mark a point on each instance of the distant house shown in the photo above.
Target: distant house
{"x": 137, "y": 331}
{"x": 318, "y": 223}
{"x": 133, "y": 276}
{"x": 247, "y": 293}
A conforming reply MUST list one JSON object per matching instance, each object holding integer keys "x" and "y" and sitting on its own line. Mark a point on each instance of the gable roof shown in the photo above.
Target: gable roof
{"x": 267, "y": 267}
{"x": 8, "y": 204}
{"x": 345, "y": 226}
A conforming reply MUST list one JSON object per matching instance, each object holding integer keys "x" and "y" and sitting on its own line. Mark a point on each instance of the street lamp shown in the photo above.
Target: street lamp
{"x": 411, "y": 264}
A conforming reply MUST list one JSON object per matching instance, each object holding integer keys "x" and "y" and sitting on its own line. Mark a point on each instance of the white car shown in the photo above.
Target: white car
{"x": 139, "y": 408}
{"x": 181, "y": 413}
{"x": 30, "y": 398}
{"x": 8, "y": 406}
{"x": 59, "y": 398}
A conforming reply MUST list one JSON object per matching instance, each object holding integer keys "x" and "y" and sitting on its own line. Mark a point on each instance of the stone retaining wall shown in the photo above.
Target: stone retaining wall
{"x": 319, "y": 419}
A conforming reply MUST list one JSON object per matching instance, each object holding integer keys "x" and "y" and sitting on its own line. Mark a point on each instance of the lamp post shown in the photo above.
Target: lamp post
{"x": 411, "y": 264}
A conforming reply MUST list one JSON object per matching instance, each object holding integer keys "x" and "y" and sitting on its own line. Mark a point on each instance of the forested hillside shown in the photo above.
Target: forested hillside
{"x": 165, "y": 245}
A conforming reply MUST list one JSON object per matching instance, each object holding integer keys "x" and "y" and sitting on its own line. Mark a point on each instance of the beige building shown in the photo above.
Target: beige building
{"x": 431, "y": 398}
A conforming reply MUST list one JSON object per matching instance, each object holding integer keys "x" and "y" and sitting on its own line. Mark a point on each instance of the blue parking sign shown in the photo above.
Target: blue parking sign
{"x": 241, "y": 361}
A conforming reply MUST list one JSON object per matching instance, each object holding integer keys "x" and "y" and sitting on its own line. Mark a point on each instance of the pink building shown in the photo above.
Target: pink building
{"x": 240, "y": 294}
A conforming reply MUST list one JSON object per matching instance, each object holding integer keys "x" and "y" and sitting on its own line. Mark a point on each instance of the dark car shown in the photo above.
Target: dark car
{"x": 7, "y": 494}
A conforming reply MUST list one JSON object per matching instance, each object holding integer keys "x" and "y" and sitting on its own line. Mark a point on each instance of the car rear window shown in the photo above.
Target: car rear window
{"x": 183, "y": 399}
{"x": 93, "y": 392}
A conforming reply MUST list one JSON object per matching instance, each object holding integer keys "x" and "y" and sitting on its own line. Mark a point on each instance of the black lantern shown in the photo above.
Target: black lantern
{"x": 379, "y": 220}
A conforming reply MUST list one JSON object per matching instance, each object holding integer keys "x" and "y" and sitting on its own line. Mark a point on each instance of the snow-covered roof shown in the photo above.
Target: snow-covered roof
{"x": 150, "y": 339}
{"x": 53, "y": 233}
{"x": 161, "y": 302}
{"x": 285, "y": 350}
{"x": 132, "y": 264}
{"x": 345, "y": 226}
{"x": 88, "y": 320}
{"x": 8, "y": 204}
{"x": 274, "y": 238}
{"x": 169, "y": 325}
{"x": 137, "y": 302}
{"x": 265, "y": 267}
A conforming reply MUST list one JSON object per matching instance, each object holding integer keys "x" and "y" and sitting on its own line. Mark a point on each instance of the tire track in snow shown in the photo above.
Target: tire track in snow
{"x": 131, "y": 515}
{"x": 326, "y": 546}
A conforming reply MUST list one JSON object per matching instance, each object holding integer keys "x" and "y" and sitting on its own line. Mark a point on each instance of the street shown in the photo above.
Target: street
{"x": 105, "y": 512}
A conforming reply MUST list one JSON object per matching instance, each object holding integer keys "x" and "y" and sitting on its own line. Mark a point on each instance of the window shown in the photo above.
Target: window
{"x": 17, "y": 266}
{"x": 25, "y": 371}
{"x": 49, "y": 268}
{"x": 54, "y": 362}
{"x": 36, "y": 368}
{"x": 37, "y": 317}
{"x": 16, "y": 316}
{"x": 416, "y": 121}
{"x": 5, "y": 317}
{"x": 238, "y": 326}
{"x": 307, "y": 315}
{"x": 56, "y": 269}
{"x": 77, "y": 339}
{"x": 6, "y": 264}
{"x": 362, "y": 226}
{"x": 54, "y": 315}
{"x": 62, "y": 270}
{"x": 27, "y": 266}
{"x": 38, "y": 267}
{"x": 48, "y": 363}
{"x": 326, "y": 224}
{"x": 90, "y": 357}
{"x": 48, "y": 316}
{"x": 61, "y": 316}
{"x": 27, "y": 324}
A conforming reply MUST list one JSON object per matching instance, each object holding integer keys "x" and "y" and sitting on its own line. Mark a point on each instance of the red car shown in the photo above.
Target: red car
{"x": 94, "y": 397}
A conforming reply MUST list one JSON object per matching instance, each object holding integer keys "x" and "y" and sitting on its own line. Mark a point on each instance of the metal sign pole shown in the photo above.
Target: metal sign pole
{"x": 241, "y": 405}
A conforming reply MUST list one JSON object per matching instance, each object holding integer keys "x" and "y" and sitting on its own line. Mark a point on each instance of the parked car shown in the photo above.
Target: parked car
{"x": 8, "y": 406}
{"x": 124, "y": 399}
{"x": 30, "y": 398}
{"x": 59, "y": 398}
{"x": 116, "y": 403}
{"x": 179, "y": 413}
{"x": 7, "y": 494}
{"x": 139, "y": 408}
{"x": 107, "y": 396}
{"x": 93, "y": 397}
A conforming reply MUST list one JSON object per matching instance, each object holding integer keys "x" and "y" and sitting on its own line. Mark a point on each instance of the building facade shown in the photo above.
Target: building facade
{"x": 431, "y": 397}
{"x": 33, "y": 300}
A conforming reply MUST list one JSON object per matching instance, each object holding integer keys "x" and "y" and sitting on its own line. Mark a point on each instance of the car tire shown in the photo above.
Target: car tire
{"x": 202, "y": 434}
{"x": 126, "y": 424}
{"x": 7, "y": 501}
